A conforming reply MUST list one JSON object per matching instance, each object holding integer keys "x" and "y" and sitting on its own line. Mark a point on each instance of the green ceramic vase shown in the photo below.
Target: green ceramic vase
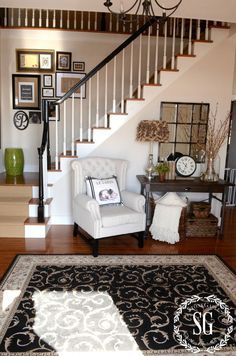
{"x": 14, "y": 161}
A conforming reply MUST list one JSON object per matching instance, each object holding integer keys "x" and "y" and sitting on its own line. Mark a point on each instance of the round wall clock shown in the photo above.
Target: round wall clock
{"x": 185, "y": 166}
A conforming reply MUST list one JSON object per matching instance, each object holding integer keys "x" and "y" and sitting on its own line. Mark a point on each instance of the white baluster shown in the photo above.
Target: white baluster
{"x": 56, "y": 138}
{"x": 117, "y": 23}
{"x": 148, "y": 56}
{"x": 75, "y": 20}
{"x": 131, "y": 70}
{"x": 33, "y": 18}
{"x": 165, "y": 46}
{"x": 61, "y": 19}
{"x": 207, "y": 31}
{"x": 110, "y": 22}
{"x": 73, "y": 124}
{"x": 68, "y": 19}
{"x": 131, "y": 23}
{"x": 19, "y": 17}
{"x": 173, "y": 45}
{"x": 105, "y": 104}
{"x": 89, "y": 111}
{"x": 96, "y": 21}
{"x": 198, "y": 29}
{"x": 89, "y": 20}
{"x": 64, "y": 128}
{"x": 122, "y": 81}
{"x": 47, "y": 18}
{"x": 114, "y": 87}
{"x": 12, "y": 17}
{"x": 190, "y": 37}
{"x": 97, "y": 104}
{"x": 139, "y": 66}
{"x": 40, "y": 18}
{"x": 182, "y": 37}
{"x": 54, "y": 19}
{"x": 5, "y": 17}
{"x": 82, "y": 20}
{"x": 215, "y": 23}
{"x": 156, "y": 55}
{"x": 81, "y": 120}
{"x": 26, "y": 17}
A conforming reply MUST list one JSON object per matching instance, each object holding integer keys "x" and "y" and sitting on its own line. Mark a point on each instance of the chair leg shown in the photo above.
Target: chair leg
{"x": 95, "y": 247}
{"x": 75, "y": 230}
{"x": 141, "y": 239}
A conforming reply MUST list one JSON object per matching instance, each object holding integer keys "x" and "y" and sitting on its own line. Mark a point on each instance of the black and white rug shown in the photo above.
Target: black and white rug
{"x": 118, "y": 305}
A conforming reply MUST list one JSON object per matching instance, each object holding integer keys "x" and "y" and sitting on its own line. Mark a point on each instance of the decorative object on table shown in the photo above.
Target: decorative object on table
{"x": 34, "y": 60}
{"x": 21, "y": 120}
{"x": 65, "y": 81}
{"x": 78, "y": 66}
{"x": 200, "y": 210}
{"x": 185, "y": 166}
{"x": 35, "y": 117}
{"x": 162, "y": 168}
{"x": 217, "y": 134}
{"x": 26, "y": 91}
{"x": 165, "y": 223}
{"x": 152, "y": 131}
{"x": 63, "y": 61}
{"x": 14, "y": 161}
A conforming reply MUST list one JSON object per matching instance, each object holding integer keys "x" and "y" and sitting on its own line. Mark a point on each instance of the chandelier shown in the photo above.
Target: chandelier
{"x": 149, "y": 7}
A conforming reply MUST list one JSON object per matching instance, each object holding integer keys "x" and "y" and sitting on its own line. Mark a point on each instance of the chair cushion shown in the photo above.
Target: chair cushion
{"x": 118, "y": 215}
{"x": 104, "y": 190}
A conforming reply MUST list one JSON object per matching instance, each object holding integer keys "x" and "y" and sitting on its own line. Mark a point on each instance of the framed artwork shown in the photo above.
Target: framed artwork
{"x": 26, "y": 91}
{"x": 32, "y": 60}
{"x": 65, "y": 81}
{"x": 47, "y": 80}
{"x": 63, "y": 61}
{"x": 52, "y": 111}
{"x": 21, "y": 120}
{"x": 48, "y": 92}
{"x": 35, "y": 117}
{"x": 78, "y": 66}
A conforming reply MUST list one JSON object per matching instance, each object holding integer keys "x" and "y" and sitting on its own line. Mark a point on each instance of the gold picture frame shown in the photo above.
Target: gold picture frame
{"x": 32, "y": 60}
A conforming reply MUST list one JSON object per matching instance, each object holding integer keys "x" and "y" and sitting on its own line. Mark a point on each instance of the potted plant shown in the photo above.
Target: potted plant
{"x": 162, "y": 168}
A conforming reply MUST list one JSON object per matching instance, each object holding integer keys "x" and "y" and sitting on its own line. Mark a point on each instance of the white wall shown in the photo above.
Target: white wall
{"x": 88, "y": 47}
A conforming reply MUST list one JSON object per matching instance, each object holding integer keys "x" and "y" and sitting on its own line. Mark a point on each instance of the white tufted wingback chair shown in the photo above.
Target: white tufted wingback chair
{"x": 95, "y": 221}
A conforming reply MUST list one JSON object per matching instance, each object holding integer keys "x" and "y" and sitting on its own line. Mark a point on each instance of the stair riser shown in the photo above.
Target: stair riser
{"x": 12, "y": 231}
{"x": 15, "y": 191}
{"x": 14, "y": 209}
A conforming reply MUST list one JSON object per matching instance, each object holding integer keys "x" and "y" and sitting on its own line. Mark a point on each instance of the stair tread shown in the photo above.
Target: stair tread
{"x": 35, "y": 201}
{"x": 34, "y": 221}
{"x": 12, "y": 220}
{"x": 28, "y": 179}
{"x": 14, "y": 200}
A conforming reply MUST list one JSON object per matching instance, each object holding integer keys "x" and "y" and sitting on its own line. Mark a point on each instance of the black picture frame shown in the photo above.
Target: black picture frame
{"x": 35, "y": 117}
{"x": 47, "y": 92}
{"x": 78, "y": 66}
{"x": 47, "y": 80}
{"x": 26, "y": 91}
{"x": 63, "y": 61}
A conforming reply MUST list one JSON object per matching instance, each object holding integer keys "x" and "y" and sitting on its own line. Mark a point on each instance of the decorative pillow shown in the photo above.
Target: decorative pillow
{"x": 173, "y": 199}
{"x": 104, "y": 190}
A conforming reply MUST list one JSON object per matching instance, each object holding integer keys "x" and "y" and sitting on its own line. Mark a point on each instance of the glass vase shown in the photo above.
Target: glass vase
{"x": 150, "y": 167}
{"x": 210, "y": 175}
{"x": 14, "y": 161}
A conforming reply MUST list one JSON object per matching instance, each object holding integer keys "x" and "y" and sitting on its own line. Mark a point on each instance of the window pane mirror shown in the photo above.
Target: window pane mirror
{"x": 188, "y": 129}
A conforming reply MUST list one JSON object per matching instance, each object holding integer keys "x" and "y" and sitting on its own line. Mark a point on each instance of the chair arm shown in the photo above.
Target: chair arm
{"x": 88, "y": 203}
{"x": 133, "y": 200}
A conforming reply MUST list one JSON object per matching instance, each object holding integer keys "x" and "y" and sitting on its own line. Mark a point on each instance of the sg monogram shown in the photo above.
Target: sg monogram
{"x": 200, "y": 320}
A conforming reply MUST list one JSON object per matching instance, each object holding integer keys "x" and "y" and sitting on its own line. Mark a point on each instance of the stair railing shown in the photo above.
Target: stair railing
{"x": 120, "y": 75}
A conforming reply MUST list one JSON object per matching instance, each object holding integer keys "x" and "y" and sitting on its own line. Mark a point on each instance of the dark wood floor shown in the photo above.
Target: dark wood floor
{"x": 60, "y": 241}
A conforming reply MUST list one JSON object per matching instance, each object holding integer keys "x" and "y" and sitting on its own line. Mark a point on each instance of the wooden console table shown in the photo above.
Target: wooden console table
{"x": 190, "y": 185}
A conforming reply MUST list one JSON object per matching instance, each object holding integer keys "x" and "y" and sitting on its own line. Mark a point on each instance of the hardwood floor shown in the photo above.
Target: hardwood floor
{"x": 60, "y": 241}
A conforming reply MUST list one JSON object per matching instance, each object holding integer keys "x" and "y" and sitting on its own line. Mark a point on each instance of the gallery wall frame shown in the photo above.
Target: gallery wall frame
{"x": 66, "y": 80}
{"x": 52, "y": 110}
{"x": 78, "y": 66}
{"x": 63, "y": 61}
{"x": 47, "y": 80}
{"x": 26, "y": 91}
{"x": 47, "y": 92}
{"x": 35, "y": 60}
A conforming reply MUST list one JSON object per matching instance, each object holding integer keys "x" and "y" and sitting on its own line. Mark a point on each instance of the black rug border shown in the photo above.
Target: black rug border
{"x": 10, "y": 267}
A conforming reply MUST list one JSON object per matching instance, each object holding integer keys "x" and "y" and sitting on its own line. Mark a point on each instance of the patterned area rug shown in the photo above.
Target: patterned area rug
{"x": 118, "y": 305}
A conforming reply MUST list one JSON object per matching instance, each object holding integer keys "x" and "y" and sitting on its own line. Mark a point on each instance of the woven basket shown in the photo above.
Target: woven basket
{"x": 200, "y": 210}
{"x": 201, "y": 227}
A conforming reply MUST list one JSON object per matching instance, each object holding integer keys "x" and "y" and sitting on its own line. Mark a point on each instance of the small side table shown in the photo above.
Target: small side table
{"x": 190, "y": 185}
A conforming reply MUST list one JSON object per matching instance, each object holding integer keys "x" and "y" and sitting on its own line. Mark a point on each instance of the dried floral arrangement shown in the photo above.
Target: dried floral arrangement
{"x": 217, "y": 133}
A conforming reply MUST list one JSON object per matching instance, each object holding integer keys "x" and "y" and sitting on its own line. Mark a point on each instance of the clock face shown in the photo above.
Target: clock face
{"x": 185, "y": 166}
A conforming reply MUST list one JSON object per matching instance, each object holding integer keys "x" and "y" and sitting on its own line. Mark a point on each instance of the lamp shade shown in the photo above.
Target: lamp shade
{"x": 152, "y": 131}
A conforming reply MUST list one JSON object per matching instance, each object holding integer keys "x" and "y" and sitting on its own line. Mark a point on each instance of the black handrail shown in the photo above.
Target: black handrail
{"x": 45, "y": 138}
